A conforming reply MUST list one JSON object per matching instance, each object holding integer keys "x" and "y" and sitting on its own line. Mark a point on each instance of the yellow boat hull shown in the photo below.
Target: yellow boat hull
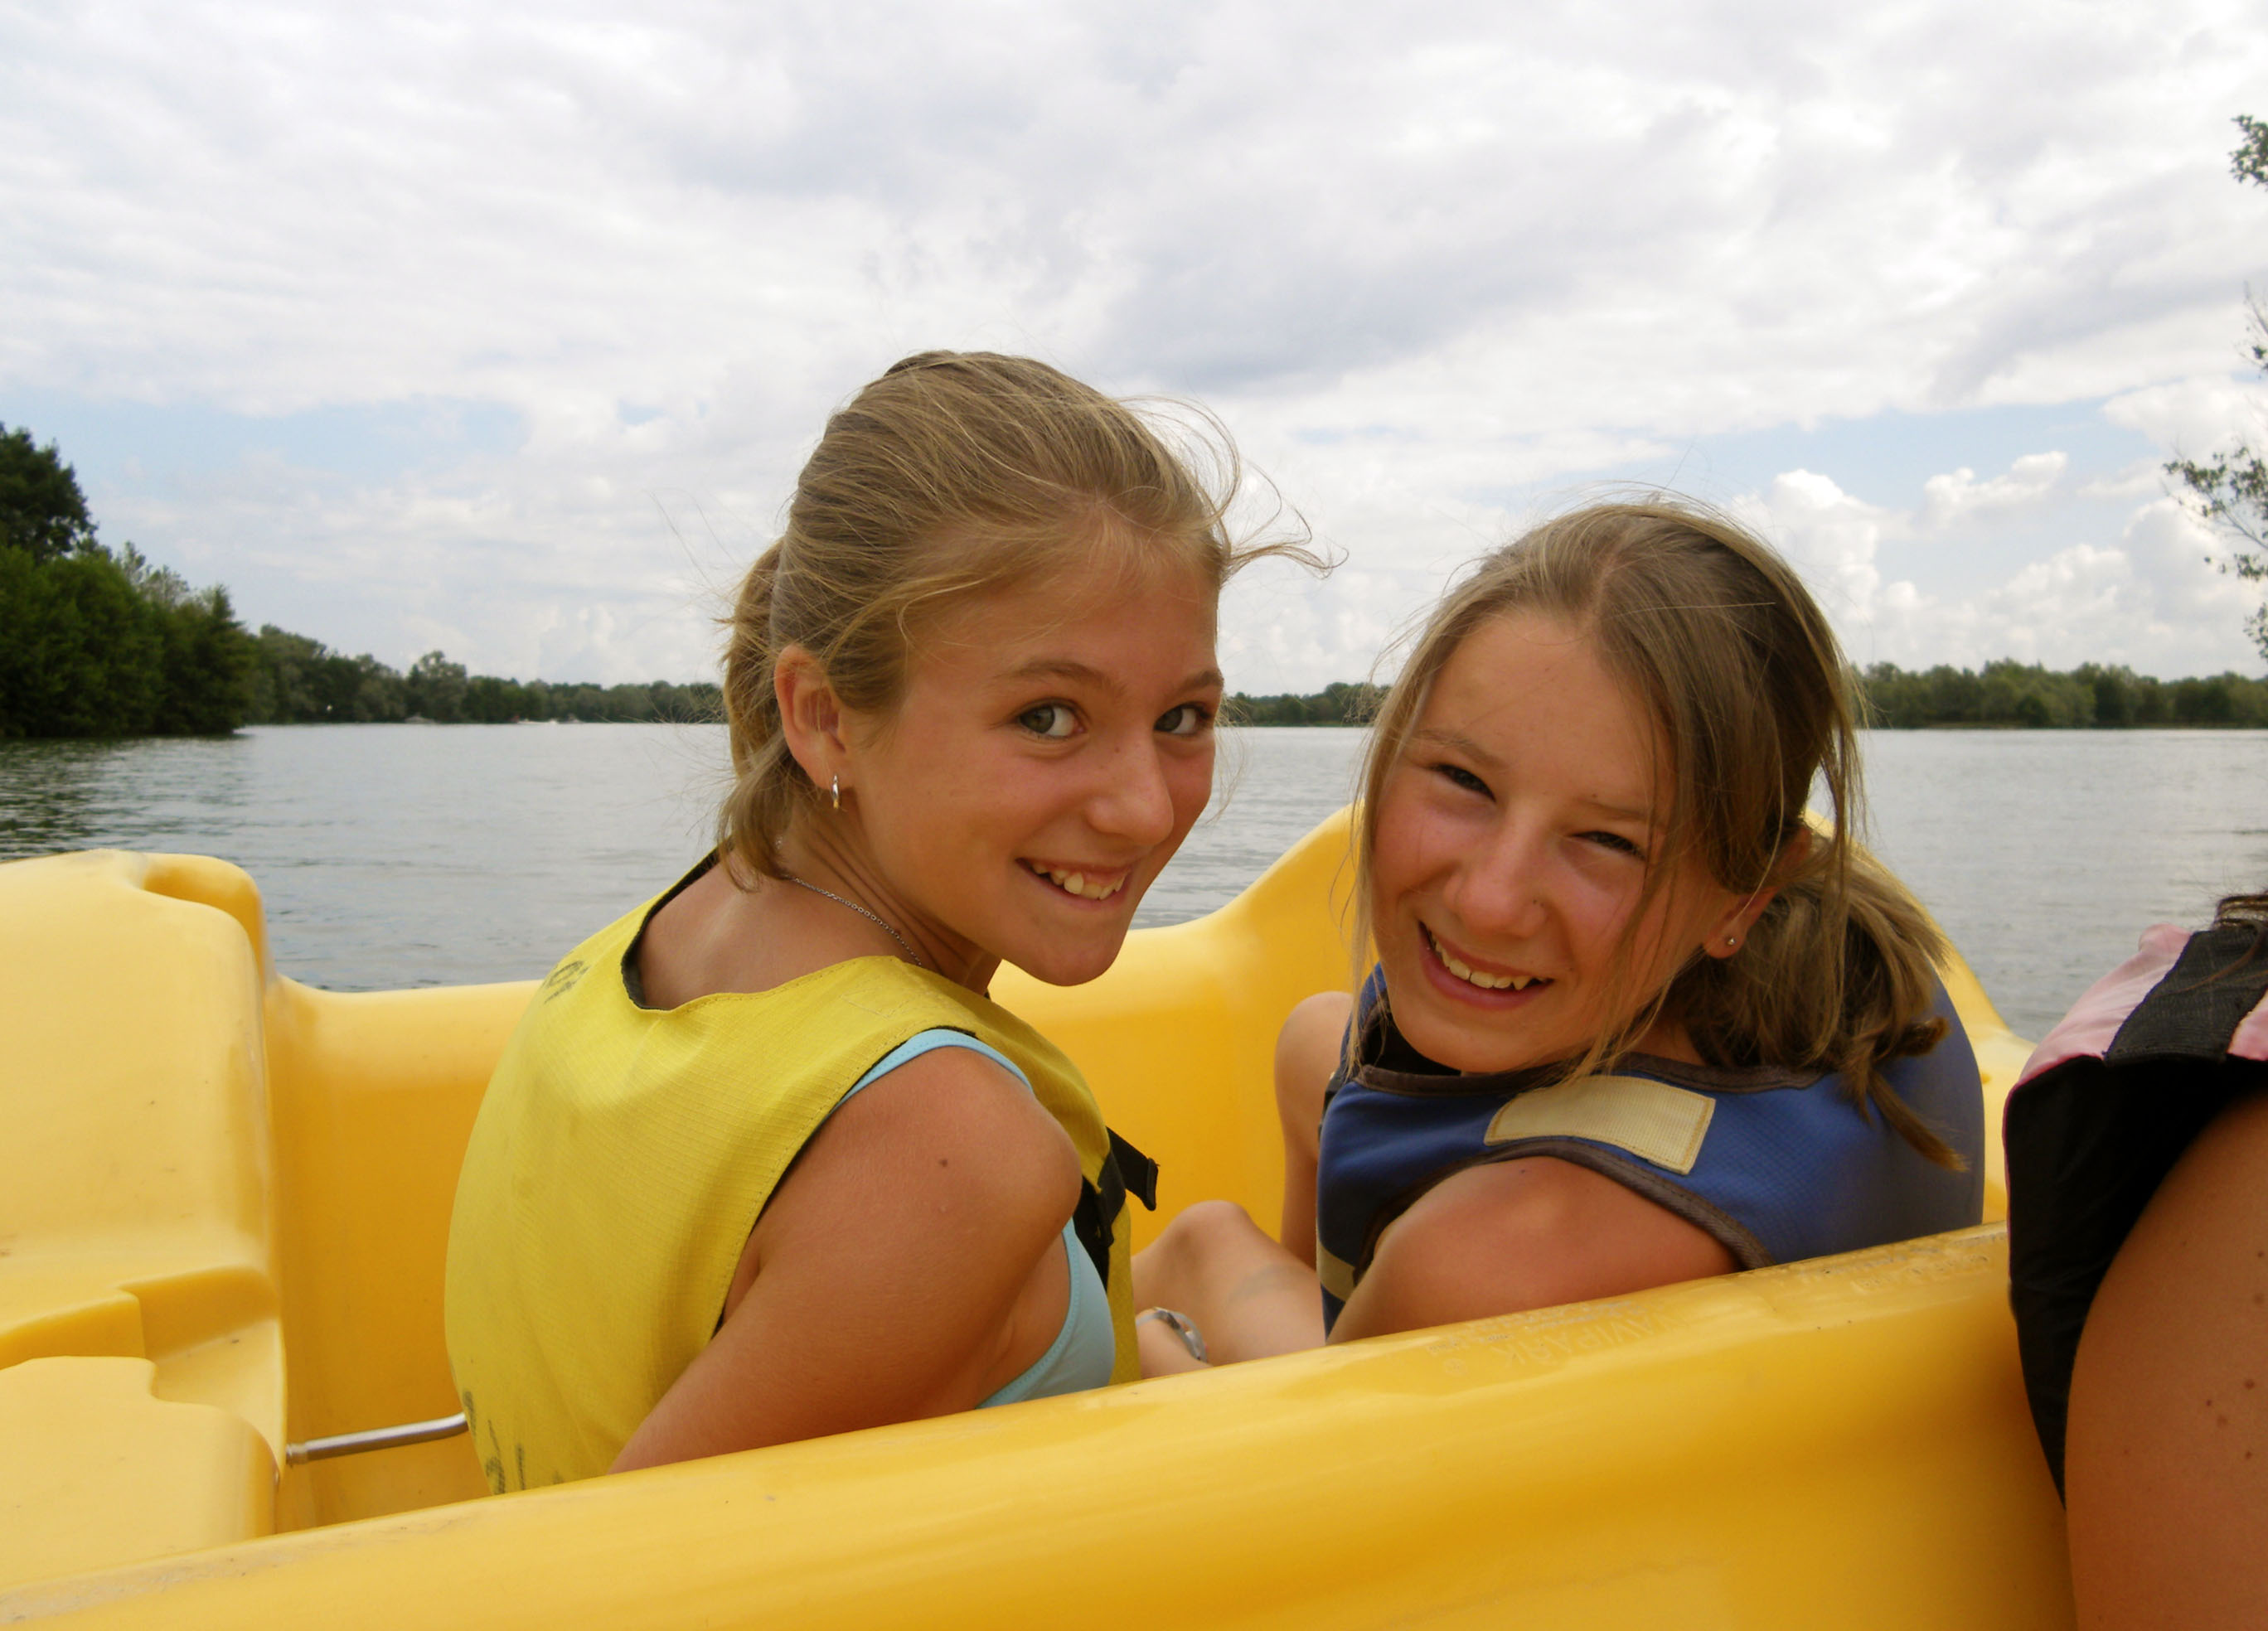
{"x": 223, "y": 1203}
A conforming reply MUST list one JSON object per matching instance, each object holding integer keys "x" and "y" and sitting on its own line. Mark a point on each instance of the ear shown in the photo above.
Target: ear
{"x": 811, "y": 715}
{"x": 1730, "y": 930}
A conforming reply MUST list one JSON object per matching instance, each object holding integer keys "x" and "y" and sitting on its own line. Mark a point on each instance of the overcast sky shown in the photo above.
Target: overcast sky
{"x": 502, "y": 329}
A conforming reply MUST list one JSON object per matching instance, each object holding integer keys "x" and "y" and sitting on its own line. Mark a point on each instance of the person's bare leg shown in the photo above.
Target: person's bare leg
{"x": 2166, "y": 1465}
{"x": 1247, "y": 1296}
{"x": 1307, "y": 1055}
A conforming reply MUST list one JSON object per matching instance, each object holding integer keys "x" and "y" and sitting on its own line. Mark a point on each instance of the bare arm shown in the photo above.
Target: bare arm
{"x": 908, "y": 1267}
{"x": 1306, "y": 1054}
{"x": 1516, "y": 1235}
{"x": 2167, "y": 1462}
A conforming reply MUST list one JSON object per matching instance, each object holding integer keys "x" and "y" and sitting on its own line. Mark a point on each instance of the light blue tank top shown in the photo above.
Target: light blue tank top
{"x": 1080, "y": 1356}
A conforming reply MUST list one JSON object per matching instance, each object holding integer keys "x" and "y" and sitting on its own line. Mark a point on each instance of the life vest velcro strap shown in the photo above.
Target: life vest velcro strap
{"x": 1125, "y": 1170}
{"x": 1137, "y": 1174}
{"x": 1091, "y": 1222}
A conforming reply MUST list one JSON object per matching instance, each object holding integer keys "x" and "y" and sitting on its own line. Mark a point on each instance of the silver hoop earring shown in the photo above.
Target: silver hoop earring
{"x": 835, "y": 790}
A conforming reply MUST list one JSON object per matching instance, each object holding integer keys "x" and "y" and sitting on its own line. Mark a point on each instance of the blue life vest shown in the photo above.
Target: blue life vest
{"x": 1777, "y": 1166}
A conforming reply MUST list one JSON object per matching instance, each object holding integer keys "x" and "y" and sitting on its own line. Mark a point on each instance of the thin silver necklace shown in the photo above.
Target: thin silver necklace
{"x": 870, "y": 916}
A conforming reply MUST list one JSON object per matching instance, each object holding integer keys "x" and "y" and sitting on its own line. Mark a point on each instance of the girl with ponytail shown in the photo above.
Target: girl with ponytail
{"x": 763, "y": 1160}
{"x": 1636, "y": 1018}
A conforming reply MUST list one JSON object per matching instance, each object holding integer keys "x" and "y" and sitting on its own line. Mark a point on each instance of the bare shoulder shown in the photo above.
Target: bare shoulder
{"x": 948, "y": 1135}
{"x": 1524, "y": 1234}
{"x": 906, "y": 1265}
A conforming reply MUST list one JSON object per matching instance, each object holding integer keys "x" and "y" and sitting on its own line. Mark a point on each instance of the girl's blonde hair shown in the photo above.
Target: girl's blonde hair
{"x": 953, "y": 475}
{"x": 1714, "y": 633}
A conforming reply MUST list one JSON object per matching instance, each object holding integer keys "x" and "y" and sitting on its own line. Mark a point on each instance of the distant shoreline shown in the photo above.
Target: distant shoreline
{"x": 2005, "y": 695}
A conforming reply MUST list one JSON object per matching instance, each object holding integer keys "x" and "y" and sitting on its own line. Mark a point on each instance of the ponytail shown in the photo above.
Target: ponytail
{"x": 767, "y": 785}
{"x": 1837, "y": 975}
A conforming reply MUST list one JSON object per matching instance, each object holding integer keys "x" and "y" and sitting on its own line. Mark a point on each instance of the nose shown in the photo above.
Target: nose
{"x": 1501, "y": 888}
{"x": 1134, "y": 798}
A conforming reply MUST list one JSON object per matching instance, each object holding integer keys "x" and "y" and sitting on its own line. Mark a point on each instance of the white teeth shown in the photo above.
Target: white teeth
{"x": 1076, "y": 883}
{"x": 1456, "y": 965}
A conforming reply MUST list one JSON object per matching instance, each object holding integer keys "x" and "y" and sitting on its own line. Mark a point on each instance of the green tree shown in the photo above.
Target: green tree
{"x": 436, "y": 689}
{"x": 2230, "y": 489}
{"x": 81, "y": 653}
{"x": 1341, "y": 703}
{"x": 42, "y": 512}
{"x": 98, "y": 642}
{"x": 206, "y": 666}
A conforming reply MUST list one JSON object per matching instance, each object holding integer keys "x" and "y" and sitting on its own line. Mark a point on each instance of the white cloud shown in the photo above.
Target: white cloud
{"x": 1960, "y": 494}
{"x": 2195, "y": 416}
{"x": 1422, "y": 260}
{"x": 2153, "y": 601}
{"x": 1832, "y": 539}
{"x": 2146, "y": 476}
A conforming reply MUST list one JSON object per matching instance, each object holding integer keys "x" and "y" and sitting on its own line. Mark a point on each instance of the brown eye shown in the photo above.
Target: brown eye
{"x": 1052, "y": 720}
{"x": 1188, "y": 719}
{"x": 1457, "y": 775}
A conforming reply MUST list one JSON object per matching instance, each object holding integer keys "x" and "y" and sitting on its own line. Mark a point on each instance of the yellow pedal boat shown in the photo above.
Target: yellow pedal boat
{"x": 223, "y": 1202}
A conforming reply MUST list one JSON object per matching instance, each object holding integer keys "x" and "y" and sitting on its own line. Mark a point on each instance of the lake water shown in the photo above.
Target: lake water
{"x": 402, "y": 855}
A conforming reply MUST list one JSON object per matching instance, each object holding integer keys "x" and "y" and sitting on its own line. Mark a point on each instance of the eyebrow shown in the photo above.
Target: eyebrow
{"x": 1457, "y": 744}
{"x": 1470, "y": 749}
{"x": 1068, "y": 668}
{"x": 1645, "y": 817}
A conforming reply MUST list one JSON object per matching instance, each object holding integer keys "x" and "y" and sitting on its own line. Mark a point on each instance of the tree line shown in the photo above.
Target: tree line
{"x": 95, "y": 642}
{"x": 1339, "y": 703}
{"x": 2027, "y": 695}
{"x": 302, "y": 681}
{"x": 2005, "y": 695}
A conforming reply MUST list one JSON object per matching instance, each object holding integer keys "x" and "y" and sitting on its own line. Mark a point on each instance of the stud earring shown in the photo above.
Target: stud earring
{"x": 835, "y": 790}
{"x": 1732, "y": 940}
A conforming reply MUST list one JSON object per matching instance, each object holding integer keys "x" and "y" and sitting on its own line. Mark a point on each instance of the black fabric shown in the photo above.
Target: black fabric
{"x": 2089, "y": 1141}
{"x": 1125, "y": 1170}
{"x": 1136, "y": 1170}
{"x": 2193, "y": 1011}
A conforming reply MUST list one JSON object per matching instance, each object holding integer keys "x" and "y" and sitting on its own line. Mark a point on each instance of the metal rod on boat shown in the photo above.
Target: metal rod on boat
{"x": 376, "y": 1438}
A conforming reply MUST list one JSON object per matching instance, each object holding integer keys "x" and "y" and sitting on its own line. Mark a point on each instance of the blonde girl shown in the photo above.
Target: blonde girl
{"x": 763, "y": 1160}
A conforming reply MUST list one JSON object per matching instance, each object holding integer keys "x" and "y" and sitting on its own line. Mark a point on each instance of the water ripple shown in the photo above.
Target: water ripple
{"x": 397, "y": 855}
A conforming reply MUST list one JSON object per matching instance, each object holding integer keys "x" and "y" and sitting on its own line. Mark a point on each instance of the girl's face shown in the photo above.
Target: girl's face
{"x": 1053, "y": 746}
{"x": 1513, "y": 836}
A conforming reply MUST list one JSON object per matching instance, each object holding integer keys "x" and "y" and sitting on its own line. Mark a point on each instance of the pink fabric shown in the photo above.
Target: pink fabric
{"x": 2094, "y": 1019}
{"x": 2251, "y": 1038}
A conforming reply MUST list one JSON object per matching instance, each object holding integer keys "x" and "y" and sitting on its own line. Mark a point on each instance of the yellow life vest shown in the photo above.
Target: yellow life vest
{"x": 624, "y": 1153}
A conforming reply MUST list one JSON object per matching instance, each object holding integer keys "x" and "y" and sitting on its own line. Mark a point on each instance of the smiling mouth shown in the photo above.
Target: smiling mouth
{"x": 1079, "y": 884}
{"x": 1476, "y": 977}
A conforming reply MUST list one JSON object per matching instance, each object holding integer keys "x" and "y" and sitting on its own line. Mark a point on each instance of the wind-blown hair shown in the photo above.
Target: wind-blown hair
{"x": 2249, "y": 911}
{"x": 953, "y": 475}
{"x": 1717, "y": 637}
